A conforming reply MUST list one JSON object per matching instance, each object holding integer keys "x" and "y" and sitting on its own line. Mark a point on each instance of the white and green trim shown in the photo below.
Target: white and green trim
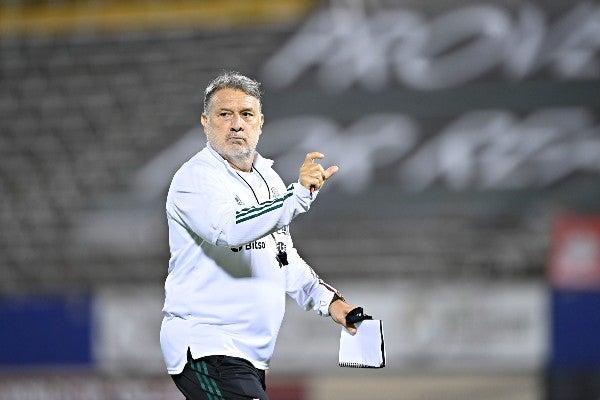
{"x": 264, "y": 207}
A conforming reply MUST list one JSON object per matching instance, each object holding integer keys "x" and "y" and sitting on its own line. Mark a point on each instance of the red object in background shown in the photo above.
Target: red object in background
{"x": 575, "y": 253}
{"x": 286, "y": 389}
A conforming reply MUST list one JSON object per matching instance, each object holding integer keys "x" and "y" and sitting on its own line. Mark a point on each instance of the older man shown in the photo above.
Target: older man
{"x": 232, "y": 258}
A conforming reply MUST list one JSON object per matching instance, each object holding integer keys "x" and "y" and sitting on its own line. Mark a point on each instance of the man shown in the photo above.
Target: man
{"x": 232, "y": 258}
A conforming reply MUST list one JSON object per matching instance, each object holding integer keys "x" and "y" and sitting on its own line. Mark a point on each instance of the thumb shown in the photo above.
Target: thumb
{"x": 329, "y": 172}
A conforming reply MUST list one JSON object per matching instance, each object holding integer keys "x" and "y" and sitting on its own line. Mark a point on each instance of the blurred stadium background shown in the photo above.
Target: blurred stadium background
{"x": 466, "y": 214}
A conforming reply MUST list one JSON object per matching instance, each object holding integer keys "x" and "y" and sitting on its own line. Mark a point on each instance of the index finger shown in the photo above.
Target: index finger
{"x": 310, "y": 157}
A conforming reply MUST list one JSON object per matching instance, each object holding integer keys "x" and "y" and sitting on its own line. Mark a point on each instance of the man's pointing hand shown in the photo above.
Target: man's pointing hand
{"x": 313, "y": 174}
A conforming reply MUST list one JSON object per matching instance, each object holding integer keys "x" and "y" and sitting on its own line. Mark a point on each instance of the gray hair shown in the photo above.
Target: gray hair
{"x": 232, "y": 80}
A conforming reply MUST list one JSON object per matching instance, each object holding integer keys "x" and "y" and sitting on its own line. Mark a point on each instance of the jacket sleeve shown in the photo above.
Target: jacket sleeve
{"x": 305, "y": 286}
{"x": 207, "y": 210}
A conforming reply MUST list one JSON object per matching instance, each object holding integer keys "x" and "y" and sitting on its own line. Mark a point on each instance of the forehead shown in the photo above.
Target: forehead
{"x": 233, "y": 99}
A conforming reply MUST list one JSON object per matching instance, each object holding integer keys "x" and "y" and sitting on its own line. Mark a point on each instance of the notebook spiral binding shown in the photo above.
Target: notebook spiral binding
{"x": 357, "y": 365}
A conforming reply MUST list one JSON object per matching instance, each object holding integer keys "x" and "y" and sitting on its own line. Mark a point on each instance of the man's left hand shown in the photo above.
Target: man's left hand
{"x": 338, "y": 311}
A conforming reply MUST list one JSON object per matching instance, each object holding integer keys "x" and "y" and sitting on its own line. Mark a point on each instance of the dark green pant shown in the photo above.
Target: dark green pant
{"x": 221, "y": 378}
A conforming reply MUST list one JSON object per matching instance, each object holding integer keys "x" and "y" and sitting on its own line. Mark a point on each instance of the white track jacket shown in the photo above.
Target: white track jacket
{"x": 225, "y": 289}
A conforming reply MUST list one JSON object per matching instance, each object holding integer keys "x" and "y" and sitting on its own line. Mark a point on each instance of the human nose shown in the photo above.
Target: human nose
{"x": 236, "y": 123}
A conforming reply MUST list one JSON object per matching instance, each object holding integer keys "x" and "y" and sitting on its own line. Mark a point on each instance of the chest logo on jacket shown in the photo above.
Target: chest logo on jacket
{"x": 256, "y": 245}
{"x": 274, "y": 192}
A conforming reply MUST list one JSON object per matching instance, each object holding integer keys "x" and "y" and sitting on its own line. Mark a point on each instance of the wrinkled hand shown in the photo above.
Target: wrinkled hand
{"x": 313, "y": 174}
{"x": 338, "y": 311}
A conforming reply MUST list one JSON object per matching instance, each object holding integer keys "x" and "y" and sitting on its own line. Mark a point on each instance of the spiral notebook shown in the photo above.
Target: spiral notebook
{"x": 365, "y": 349}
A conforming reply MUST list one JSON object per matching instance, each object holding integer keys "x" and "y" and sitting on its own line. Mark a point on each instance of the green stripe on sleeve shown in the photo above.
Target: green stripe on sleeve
{"x": 252, "y": 212}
